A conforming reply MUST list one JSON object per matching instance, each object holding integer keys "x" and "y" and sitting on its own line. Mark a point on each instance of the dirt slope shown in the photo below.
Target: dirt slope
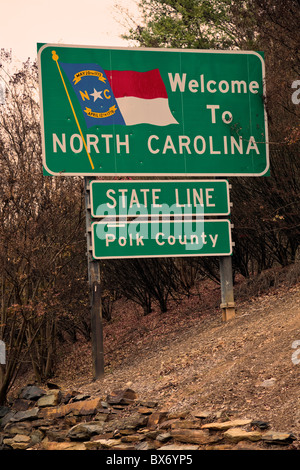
{"x": 189, "y": 359}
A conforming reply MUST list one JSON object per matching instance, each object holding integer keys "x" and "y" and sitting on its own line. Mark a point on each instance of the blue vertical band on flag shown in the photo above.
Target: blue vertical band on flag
{"x": 94, "y": 93}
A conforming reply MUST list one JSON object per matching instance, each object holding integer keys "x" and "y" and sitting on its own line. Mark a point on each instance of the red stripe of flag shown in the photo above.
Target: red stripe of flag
{"x": 147, "y": 85}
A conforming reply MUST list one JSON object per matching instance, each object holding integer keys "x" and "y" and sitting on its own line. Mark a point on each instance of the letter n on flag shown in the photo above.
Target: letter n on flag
{"x": 110, "y": 97}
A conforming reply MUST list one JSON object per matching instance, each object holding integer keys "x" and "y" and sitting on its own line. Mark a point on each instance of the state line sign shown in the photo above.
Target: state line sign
{"x": 132, "y": 111}
{"x": 142, "y": 238}
{"x": 121, "y": 199}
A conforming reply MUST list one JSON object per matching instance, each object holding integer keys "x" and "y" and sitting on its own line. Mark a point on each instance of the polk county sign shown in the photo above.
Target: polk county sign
{"x": 164, "y": 238}
{"x": 152, "y": 112}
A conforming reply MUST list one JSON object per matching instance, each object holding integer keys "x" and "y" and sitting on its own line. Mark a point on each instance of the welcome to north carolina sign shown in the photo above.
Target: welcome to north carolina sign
{"x": 152, "y": 111}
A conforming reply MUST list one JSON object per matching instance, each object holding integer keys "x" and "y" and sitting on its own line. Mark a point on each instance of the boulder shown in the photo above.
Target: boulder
{"x": 121, "y": 397}
{"x": 63, "y": 446}
{"x": 3, "y": 411}
{"x": 31, "y": 392}
{"x": 26, "y": 415}
{"x": 237, "y": 434}
{"x": 79, "y": 408}
{"x": 194, "y": 436}
{"x": 186, "y": 424}
{"x": 51, "y": 399}
{"x": 226, "y": 424}
{"x": 102, "y": 444}
{"x": 171, "y": 447}
{"x": 84, "y": 431}
{"x": 283, "y": 438}
{"x": 145, "y": 446}
{"x": 156, "y": 418}
{"x": 12, "y": 429}
{"x": 18, "y": 442}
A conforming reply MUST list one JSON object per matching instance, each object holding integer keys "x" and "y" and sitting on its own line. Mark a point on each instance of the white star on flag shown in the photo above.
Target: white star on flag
{"x": 97, "y": 94}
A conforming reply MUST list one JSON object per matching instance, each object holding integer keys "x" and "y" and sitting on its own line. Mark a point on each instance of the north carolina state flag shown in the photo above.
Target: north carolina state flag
{"x": 112, "y": 97}
{"x": 141, "y": 96}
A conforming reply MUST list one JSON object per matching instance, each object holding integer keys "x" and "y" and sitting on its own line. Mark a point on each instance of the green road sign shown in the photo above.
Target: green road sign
{"x": 167, "y": 238}
{"x": 152, "y": 111}
{"x": 119, "y": 198}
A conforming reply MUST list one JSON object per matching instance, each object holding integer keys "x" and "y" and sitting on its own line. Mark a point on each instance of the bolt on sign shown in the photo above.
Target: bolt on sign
{"x": 152, "y": 111}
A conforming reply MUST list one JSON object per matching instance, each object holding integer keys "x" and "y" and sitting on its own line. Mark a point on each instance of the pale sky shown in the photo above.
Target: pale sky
{"x": 24, "y": 23}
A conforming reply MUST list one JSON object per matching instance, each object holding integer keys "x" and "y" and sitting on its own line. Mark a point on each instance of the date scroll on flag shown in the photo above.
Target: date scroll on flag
{"x": 113, "y": 97}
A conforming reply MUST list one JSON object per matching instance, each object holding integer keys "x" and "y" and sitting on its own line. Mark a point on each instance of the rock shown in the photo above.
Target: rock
{"x": 84, "y": 408}
{"x": 132, "y": 438}
{"x": 268, "y": 383}
{"x": 3, "y": 411}
{"x": 149, "y": 404}
{"x": 283, "y": 438}
{"x": 102, "y": 415}
{"x": 145, "y": 411}
{"x": 220, "y": 447}
{"x": 168, "y": 423}
{"x": 36, "y": 437}
{"x": 18, "y": 442}
{"x": 51, "y": 399}
{"x": 226, "y": 424}
{"x": 31, "y": 392}
{"x": 179, "y": 447}
{"x": 178, "y": 414}
{"x": 186, "y": 424}
{"x": 126, "y": 432}
{"x": 125, "y": 425}
{"x": 26, "y": 415}
{"x": 83, "y": 431}
{"x": 237, "y": 434}
{"x": 152, "y": 434}
{"x": 194, "y": 436}
{"x": 121, "y": 397}
{"x": 24, "y": 428}
{"x": 164, "y": 437}
{"x": 156, "y": 418}
{"x": 202, "y": 414}
{"x": 6, "y": 419}
{"x": 81, "y": 397}
{"x": 102, "y": 444}
{"x": 260, "y": 424}
{"x": 63, "y": 446}
{"x": 123, "y": 447}
{"x": 70, "y": 420}
{"x": 145, "y": 446}
{"x": 132, "y": 422}
{"x": 21, "y": 405}
{"x": 247, "y": 445}
{"x": 57, "y": 435}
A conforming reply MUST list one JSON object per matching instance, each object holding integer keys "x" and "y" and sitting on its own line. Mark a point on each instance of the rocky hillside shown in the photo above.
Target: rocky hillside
{"x": 57, "y": 420}
{"x": 188, "y": 378}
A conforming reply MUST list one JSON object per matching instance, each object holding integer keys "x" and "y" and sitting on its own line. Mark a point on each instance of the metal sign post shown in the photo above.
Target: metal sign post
{"x": 227, "y": 296}
{"x": 95, "y": 294}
